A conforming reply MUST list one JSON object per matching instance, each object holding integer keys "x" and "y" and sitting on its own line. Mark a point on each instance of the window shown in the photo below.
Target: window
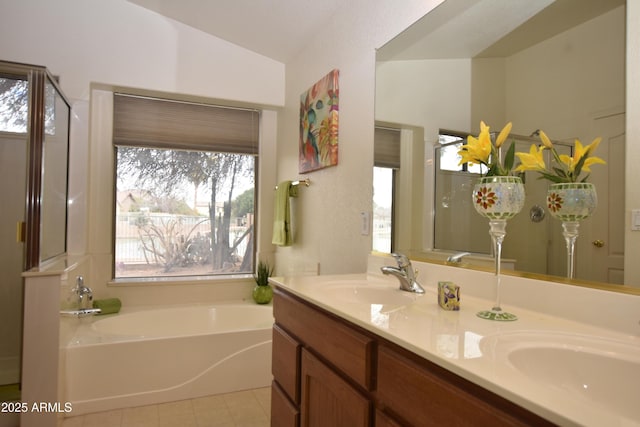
{"x": 14, "y": 105}
{"x": 386, "y": 164}
{"x": 383, "y": 195}
{"x": 450, "y": 144}
{"x": 185, "y": 180}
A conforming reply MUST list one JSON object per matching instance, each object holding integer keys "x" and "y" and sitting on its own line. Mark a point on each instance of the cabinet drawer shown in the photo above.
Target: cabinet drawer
{"x": 425, "y": 394}
{"x": 285, "y": 363}
{"x": 345, "y": 348}
{"x": 283, "y": 413}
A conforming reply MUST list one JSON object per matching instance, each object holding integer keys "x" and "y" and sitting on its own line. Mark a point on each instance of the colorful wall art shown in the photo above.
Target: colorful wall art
{"x": 319, "y": 125}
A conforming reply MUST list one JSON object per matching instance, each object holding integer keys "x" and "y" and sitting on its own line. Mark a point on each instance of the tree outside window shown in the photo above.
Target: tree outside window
{"x": 183, "y": 212}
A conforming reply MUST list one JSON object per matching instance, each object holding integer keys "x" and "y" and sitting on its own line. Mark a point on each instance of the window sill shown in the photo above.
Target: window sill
{"x": 179, "y": 280}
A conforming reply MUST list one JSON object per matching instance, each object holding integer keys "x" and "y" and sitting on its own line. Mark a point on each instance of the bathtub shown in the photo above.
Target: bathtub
{"x": 147, "y": 356}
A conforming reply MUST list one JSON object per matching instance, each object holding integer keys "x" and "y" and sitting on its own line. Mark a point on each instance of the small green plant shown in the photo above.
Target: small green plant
{"x": 263, "y": 273}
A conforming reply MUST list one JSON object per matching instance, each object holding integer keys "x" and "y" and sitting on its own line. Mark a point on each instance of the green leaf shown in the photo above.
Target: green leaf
{"x": 509, "y": 158}
{"x": 580, "y": 163}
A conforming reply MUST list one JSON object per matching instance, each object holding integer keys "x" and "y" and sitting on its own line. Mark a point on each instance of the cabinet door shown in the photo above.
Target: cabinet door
{"x": 328, "y": 400}
{"x": 285, "y": 363}
{"x": 283, "y": 413}
{"x": 338, "y": 342}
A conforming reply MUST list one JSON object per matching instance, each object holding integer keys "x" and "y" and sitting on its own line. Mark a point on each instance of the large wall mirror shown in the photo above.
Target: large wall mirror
{"x": 556, "y": 65}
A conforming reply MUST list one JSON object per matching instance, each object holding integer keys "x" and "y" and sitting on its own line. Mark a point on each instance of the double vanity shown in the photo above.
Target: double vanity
{"x": 356, "y": 350}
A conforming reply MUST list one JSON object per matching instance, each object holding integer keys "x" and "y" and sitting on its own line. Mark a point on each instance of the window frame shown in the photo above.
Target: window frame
{"x": 255, "y": 153}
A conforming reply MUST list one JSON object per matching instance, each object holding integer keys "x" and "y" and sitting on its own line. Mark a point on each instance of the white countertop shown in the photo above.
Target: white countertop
{"x": 454, "y": 340}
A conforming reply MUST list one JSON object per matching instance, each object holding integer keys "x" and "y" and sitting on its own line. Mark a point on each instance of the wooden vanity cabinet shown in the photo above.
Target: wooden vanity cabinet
{"x": 322, "y": 367}
{"x": 330, "y": 372}
{"x": 422, "y": 393}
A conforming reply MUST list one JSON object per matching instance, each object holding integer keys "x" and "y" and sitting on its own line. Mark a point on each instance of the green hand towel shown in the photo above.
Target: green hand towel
{"x": 108, "y": 305}
{"x": 282, "y": 234}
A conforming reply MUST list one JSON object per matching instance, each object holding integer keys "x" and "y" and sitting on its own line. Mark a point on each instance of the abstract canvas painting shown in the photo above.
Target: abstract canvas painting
{"x": 318, "y": 145}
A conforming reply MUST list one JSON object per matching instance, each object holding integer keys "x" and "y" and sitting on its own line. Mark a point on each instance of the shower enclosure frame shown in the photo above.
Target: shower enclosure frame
{"x": 47, "y": 150}
{"x": 38, "y": 77}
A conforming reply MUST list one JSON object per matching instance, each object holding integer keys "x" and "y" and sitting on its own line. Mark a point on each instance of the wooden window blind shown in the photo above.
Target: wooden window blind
{"x": 161, "y": 123}
{"x": 386, "y": 148}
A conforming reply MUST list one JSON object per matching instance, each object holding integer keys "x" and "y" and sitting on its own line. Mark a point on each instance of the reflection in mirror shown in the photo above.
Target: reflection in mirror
{"x": 552, "y": 65}
{"x": 386, "y": 163}
{"x": 544, "y": 251}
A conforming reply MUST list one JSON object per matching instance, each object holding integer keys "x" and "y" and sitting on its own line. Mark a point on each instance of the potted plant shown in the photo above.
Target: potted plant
{"x": 262, "y": 292}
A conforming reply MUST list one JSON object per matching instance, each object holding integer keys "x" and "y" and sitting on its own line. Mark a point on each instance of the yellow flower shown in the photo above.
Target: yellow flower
{"x": 581, "y": 151}
{"x": 545, "y": 140}
{"x": 532, "y": 160}
{"x": 480, "y": 150}
{"x": 567, "y": 168}
{"x": 592, "y": 160}
{"x": 476, "y": 150}
{"x": 504, "y": 133}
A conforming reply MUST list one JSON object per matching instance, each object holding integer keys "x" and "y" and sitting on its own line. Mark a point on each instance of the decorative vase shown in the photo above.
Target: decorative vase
{"x": 498, "y": 198}
{"x": 262, "y": 294}
{"x": 571, "y": 203}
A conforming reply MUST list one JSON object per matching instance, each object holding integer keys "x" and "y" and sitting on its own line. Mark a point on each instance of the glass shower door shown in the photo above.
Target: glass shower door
{"x": 13, "y": 176}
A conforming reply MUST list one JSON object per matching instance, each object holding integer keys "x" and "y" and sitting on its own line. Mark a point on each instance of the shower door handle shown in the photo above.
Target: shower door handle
{"x": 20, "y": 231}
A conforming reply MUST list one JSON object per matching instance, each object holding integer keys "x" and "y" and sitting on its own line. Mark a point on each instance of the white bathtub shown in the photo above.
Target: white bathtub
{"x": 146, "y": 356}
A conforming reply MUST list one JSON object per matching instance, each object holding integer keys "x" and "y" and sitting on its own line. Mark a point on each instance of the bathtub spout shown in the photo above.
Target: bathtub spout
{"x": 458, "y": 257}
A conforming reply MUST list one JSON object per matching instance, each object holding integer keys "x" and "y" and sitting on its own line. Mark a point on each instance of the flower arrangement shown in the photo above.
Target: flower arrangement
{"x": 480, "y": 150}
{"x": 567, "y": 169}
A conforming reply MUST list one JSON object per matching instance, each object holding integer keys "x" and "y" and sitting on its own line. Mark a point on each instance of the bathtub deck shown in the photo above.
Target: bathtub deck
{"x": 249, "y": 408}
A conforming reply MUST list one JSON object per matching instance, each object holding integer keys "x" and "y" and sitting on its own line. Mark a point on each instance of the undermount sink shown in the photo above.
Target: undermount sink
{"x": 596, "y": 371}
{"x": 365, "y": 292}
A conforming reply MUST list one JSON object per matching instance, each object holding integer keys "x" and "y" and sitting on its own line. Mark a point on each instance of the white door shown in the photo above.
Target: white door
{"x": 604, "y": 245}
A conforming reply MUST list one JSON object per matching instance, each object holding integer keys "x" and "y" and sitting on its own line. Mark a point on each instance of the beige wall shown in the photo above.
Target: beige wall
{"x": 327, "y": 214}
{"x": 119, "y": 43}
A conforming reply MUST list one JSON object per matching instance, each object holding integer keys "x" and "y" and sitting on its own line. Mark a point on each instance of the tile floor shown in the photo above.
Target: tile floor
{"x": 250, "y": 408}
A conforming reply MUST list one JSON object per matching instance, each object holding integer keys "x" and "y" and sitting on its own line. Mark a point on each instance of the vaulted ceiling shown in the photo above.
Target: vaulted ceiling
{"x": 278, "y": 29}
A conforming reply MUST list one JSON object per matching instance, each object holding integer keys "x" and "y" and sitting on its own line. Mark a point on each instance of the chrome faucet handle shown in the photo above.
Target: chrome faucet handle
{"x": 404, "y": 264}
{"x": 405, "y": 274}
{"x": 402, "y": 260}
{"x": 83, "y": 293}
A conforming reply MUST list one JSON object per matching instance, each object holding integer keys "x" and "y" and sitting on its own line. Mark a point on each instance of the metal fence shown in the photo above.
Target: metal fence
{"x": 184, "y": 230}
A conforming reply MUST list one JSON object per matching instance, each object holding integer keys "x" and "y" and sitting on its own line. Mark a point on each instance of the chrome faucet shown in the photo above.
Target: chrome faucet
{"x": 83, "y": 293}
{"x": 404, "y": 273}
{"x": 457, "y": 257}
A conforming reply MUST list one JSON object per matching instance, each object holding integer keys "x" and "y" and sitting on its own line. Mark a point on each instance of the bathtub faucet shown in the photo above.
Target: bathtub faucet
{"x": 404, "y": 273}
{"x": 83, "y": 293}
